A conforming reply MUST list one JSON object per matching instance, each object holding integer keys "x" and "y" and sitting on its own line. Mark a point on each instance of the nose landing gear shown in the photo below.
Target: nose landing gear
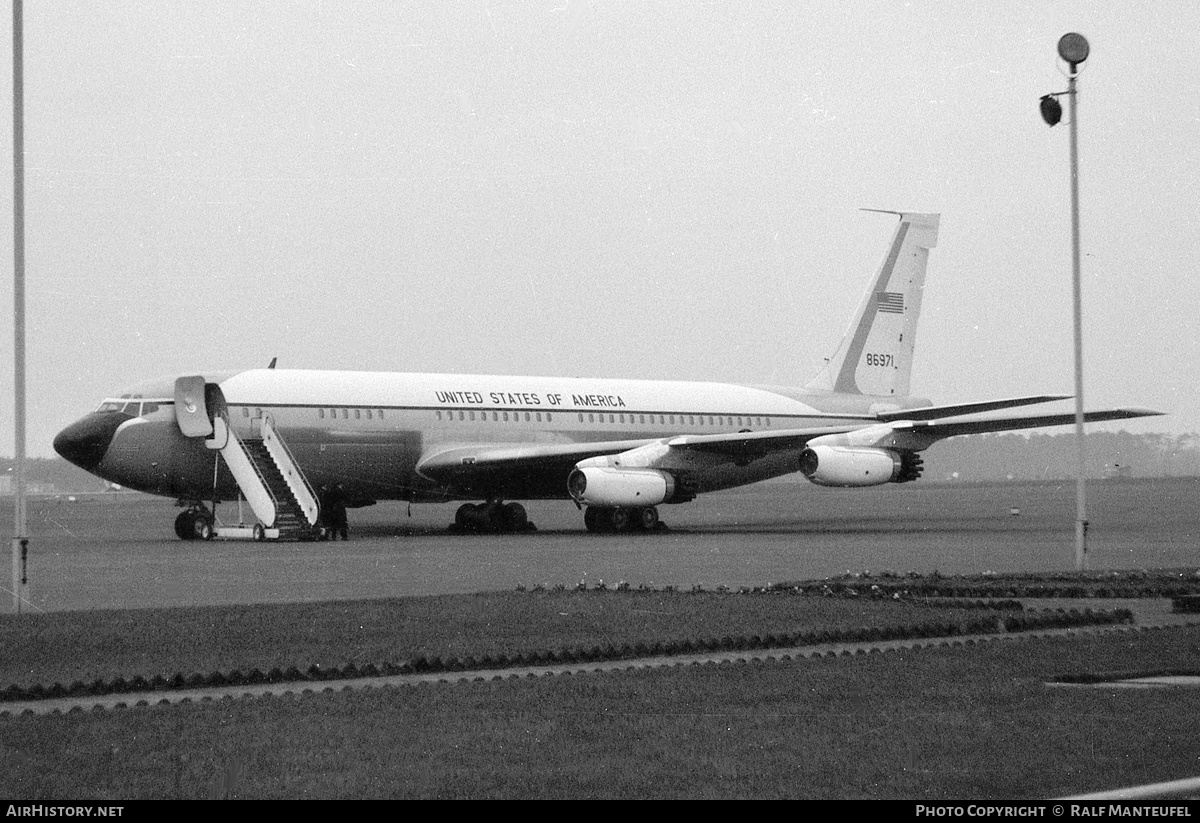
{"x": 195, "y": 523}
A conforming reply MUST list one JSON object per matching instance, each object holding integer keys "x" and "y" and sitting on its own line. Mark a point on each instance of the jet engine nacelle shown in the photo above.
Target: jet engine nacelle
{"x": 608, "y": 487}
{"x": 858, "y": 466}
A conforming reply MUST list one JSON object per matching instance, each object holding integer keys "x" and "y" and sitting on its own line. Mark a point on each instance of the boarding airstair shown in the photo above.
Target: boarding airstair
{"x": 269, "y": 478}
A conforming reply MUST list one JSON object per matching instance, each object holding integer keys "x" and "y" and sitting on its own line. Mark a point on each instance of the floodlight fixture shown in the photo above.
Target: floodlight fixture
{"x": 1073, "y": 48}
{"x": 1051, "y": 109}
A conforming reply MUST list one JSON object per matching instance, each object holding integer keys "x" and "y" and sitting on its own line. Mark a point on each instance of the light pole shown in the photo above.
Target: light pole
{"x": 20, "y": 541}
{"x": 1073, "y": 48}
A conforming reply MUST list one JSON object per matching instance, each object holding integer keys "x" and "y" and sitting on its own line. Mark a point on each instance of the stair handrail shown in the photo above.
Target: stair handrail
{"x": 262, "y": 478}
{"x": 258, "y": 492}
{"x": 292, "y": 475}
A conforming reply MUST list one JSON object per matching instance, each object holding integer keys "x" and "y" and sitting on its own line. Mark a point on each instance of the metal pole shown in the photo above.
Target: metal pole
{"x": 20, "y": 539}
{"x": 1081, "y": 522}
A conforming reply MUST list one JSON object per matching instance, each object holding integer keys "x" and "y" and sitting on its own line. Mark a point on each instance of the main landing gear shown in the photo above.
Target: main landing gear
{"x": 195, "y": 523}
{"x": 492, "y": 517}
{"x": 636, "y": 519}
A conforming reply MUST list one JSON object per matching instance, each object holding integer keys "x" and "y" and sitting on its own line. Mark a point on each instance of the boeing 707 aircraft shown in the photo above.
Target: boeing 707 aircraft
{"x": 301, "y": 445}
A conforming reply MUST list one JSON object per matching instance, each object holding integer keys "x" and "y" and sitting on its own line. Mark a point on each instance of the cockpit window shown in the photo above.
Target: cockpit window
{"x": 135, "y": 407}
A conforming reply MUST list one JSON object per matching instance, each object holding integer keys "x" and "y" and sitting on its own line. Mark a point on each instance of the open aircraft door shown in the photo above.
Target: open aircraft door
{"x": 200, "y": 411}
{"x": 191, "y": 410}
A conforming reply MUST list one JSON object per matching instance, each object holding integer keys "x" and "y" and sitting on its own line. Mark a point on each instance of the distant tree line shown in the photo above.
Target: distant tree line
{"x": 1053, "y": 457}
{"x": 52, "y": 475}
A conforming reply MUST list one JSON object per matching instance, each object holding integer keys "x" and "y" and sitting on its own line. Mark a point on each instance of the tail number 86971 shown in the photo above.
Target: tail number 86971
{"x": 880, "y": 360}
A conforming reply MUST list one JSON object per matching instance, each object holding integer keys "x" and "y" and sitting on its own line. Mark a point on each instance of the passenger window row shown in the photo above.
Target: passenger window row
{"x": 497, "y": 417}
{"x": 332, "y": 414}
{"x": 617, "y": 419}
{"x": 344, "y": 414}
{"x": 677, "y": 419}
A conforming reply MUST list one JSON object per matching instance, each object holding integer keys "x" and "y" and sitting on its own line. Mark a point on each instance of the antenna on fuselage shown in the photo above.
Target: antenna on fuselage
{"x": 273, "y": 359}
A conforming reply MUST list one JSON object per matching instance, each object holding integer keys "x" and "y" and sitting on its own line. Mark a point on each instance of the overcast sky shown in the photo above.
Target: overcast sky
{"x": 646, "y": 190}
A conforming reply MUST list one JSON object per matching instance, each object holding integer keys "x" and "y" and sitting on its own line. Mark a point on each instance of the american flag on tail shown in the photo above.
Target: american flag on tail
{"x": 891, "y": 302}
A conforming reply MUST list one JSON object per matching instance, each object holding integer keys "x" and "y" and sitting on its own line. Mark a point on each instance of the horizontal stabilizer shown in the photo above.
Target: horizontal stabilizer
{"x": 938, "y": 412}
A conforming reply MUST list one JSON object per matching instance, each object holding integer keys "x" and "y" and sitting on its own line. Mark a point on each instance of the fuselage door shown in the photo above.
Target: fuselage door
{"x": 218, "y": 415}
{"x": 191, "y": 411}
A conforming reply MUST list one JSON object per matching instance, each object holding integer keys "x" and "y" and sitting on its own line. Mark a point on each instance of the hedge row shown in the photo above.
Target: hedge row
{"x": 421, "y": 665}
{"x": 950, "y": 603}
{"x": 907, "y": 589}
{"x": 1063, "y": 619}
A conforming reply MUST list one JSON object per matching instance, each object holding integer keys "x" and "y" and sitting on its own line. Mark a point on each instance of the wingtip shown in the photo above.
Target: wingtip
{"x": 1126, "y": 413}
{"x": 1137, "y": 411}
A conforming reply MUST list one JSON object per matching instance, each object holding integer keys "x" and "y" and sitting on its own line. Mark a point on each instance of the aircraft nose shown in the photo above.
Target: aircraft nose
{"x": 85, "y": 441}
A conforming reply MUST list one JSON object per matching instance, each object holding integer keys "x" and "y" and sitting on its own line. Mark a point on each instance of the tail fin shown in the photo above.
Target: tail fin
{"x": 875, "y": 356}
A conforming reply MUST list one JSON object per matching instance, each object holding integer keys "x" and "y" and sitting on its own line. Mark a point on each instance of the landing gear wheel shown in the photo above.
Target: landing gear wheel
{"x": 591, "y": 519}
{"x": 202, "y": 526}
{"x": 620, "y": 520}
{"x": 598, "y": 519}
{"x": 648, "y": 518}
{"x": 512, "y": 518}
{"x": 492, "y": 517}
{"x": 465, "y": 517}
{"x": 184, "y": 526}
{"x": 195, "y": 523}
{"x": 260, "y": 534}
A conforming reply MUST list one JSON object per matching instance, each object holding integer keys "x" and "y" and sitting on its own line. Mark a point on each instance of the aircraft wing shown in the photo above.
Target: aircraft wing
{"x": 493, "y": 469}
{"x": 953, "y": 428}
{"x": 460, "y": 460}
{"x": 958, "y": 409}
{"x": 748, "y": 445}
{"x": 541, "y": 469}
{"x": 463, "y": 458}
{"x": 742, "y": 446}
{"x": 489, "y": 468}
{"x": 909, "y": 433}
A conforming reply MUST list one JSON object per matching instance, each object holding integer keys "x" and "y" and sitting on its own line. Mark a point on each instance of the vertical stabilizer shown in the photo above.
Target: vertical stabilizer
{"x": 875, "y": 355}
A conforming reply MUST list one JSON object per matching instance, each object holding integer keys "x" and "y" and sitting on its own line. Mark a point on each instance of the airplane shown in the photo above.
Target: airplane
{"x": 302, "y": 445}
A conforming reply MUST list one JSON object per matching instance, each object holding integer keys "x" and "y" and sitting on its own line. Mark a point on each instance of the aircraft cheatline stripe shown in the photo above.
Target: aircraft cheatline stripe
{"x": 568, "y": 410}
{"x": 249, "y": 403}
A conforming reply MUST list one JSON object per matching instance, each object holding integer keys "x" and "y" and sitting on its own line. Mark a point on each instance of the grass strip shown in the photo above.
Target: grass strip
{"x": 939, "y": 723}
{"x": 530, "y": 653}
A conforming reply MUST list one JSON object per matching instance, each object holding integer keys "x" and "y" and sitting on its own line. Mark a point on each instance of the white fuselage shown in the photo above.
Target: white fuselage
{"x": 368, "y": 431}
